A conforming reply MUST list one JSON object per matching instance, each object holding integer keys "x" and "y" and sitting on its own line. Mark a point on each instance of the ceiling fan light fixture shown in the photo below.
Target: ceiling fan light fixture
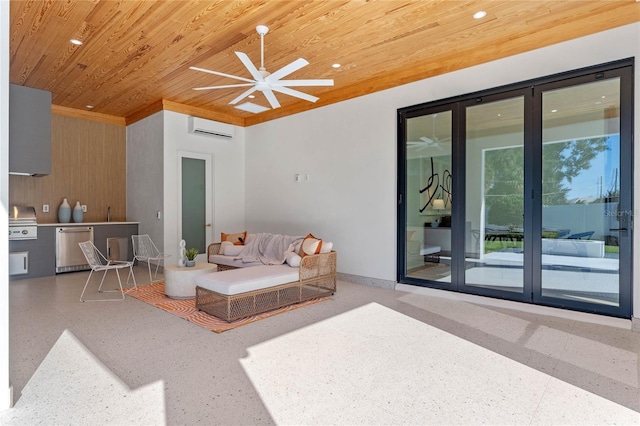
{"x": 264, "y": 81}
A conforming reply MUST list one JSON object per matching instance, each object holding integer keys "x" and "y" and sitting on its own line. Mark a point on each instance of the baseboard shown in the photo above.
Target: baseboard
{"x": 374, "y": 282}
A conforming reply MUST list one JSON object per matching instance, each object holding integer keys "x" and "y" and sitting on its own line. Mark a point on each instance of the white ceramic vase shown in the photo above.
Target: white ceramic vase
{"x": 78, "y": 214}
{"x": 64, "y": 212}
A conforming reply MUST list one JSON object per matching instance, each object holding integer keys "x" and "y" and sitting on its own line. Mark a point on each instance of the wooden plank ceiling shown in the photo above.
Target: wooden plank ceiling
{"x": 136, "y": 54}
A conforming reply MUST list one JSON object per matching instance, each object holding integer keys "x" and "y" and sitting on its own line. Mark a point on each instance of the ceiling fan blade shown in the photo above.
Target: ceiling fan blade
{"x": 220, "y": 74}
{"x": 287, "y": 69}
{"x": 250, "y": 67}
{"x": 294, "y": 93}
{"x": 323, "y": 82}
{"x": 225, "y": 86}
{"x": 244, "y": 95}
{"x": 271, "y": 98}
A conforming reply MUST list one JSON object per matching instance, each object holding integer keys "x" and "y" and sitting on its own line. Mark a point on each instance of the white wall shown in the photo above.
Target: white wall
{"x": 5, "y": 389}
{"x": 145, "y": 180}
{"x": 349, "y": 150}
{"x": 228, "y": 178}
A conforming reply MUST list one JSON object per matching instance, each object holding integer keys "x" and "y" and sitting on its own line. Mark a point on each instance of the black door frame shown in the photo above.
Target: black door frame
{"x": 532, "y": 90}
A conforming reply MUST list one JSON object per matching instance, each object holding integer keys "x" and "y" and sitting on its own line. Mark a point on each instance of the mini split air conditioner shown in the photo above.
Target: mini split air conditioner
{"x": 200, "y": 126}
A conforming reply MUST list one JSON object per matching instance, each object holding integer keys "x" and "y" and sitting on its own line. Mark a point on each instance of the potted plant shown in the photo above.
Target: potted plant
{"x": 191, "y": 254}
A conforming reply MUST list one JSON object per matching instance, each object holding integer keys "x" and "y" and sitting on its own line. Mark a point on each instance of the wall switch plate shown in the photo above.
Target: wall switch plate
{"x": 84, "y": 208}
{"x": 45, "y": 208}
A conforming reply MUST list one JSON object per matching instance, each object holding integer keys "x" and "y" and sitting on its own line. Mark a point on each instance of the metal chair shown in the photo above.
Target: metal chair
{"x": 98, "y": 262}
{"x": 144, "y": 250}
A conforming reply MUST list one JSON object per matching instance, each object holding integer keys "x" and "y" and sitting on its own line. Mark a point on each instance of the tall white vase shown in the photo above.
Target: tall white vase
{"x": 64, "y": 212}
{"x": 78, "y": 214}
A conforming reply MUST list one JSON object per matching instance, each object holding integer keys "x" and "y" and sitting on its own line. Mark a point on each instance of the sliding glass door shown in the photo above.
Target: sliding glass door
{"x": 522, "y": 193}
{"x": 494, "y": 194}
{"x": 428, "y": 197}
{"x": 586, "y": 193}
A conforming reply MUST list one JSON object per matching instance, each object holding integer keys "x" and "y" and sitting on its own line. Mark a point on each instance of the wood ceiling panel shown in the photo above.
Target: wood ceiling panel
{"x": 137, "y": 53}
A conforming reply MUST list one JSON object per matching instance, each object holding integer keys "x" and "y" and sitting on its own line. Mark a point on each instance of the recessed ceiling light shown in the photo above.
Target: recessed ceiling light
{"x": 479, "y": 14}
{"x": 90, "y": 106}
{"x": 603, "y": 96}
{"x": 252, "y": 96}
{"x": 554, "y": 110}
{"x": 336, "y": 65}
{"x": 76, "y": 42}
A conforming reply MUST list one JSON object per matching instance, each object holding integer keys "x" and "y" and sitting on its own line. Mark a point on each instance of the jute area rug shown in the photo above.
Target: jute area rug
{"x": 153, "y": 294}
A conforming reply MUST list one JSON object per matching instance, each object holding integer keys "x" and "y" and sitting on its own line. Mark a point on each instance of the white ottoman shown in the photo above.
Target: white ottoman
{"x": 180, "y": 281}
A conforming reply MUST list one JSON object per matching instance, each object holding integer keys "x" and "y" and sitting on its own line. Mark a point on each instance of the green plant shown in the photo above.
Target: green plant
{"x": 191, "y": 253}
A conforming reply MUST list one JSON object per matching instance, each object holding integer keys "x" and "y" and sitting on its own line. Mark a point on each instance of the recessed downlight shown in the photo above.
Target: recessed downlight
{"x": 336, "y": 65}
{"x": 252, "y": 96}
{"x": 554, "y": 110}
{"x": 479, "y": 14}
{"x": 76, "y": 42}
{"x": 90, "y": 106}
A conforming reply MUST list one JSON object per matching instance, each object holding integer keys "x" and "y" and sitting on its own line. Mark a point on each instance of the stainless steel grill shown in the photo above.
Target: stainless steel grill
{"x": 23, "y": 224}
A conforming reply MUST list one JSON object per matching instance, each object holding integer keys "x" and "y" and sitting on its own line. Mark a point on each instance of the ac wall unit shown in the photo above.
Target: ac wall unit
{"x": 200, "y": 126}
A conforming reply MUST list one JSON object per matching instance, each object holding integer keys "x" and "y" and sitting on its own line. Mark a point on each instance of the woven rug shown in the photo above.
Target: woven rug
{"x": 153, "y": 294}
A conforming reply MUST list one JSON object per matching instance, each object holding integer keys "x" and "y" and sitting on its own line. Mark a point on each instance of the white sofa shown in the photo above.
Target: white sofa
{"x": 240, "y": 289}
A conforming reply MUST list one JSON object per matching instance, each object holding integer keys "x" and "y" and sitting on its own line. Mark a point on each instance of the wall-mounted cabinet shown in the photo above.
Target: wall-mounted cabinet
{"x": 29, "y": 131}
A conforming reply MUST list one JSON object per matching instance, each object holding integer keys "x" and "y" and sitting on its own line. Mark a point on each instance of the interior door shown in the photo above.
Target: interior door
{"x": 195, "y": 197}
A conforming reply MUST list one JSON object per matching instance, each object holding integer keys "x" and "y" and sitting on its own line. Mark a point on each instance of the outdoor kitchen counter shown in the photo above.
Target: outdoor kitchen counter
{"x": 42, "y": 251}
{"x": 88, "y": 223}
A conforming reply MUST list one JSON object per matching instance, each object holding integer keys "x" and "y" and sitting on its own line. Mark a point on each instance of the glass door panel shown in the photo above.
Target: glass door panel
{"x": 494, "y": 195}
{"x": 193, "y": 203}
{"x": 428, "y": 197}
{"x": 581, "y": 193}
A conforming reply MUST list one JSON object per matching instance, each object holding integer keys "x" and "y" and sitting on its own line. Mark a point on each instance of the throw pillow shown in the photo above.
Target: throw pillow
{"x": 237, "y": 239}
{"x": 293, "y": 259}
{"x": 232, "y": 250}
{"x": 224, "y": 247}
{"x": 310, "y": 245}
{"x": 327, "y": 246}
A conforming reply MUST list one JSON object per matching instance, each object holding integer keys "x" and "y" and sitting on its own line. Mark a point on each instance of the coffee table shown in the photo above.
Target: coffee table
{"x": 180, "y": 281}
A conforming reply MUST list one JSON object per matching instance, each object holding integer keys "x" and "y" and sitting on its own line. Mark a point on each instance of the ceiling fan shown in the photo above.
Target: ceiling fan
{"x": 266, "y": 82}
{"x": 424, "y": 142}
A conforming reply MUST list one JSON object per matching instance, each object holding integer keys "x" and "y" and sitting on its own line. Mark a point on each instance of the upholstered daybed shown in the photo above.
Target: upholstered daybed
{"x": 241, "y": 289}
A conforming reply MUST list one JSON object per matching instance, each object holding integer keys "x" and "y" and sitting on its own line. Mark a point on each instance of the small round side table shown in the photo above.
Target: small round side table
{"x": 180, "y": 281}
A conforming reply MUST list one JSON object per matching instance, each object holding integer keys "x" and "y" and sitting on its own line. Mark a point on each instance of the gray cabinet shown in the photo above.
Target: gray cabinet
{"x": 41, "y": 254}
{"x": 41, "y": 258}
{"x": 115, "y": 233}
{"x": 29, "y": 130}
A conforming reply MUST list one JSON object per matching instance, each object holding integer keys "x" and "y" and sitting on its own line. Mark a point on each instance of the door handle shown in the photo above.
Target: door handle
{"x": 624, "y": 230}
{"x": 208, "y": 224}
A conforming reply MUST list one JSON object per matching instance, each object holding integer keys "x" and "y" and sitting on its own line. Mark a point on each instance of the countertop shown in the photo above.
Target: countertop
{"x": 88, "y": 223}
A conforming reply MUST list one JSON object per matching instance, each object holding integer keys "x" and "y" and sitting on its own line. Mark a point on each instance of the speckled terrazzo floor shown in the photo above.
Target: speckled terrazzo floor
{"x": 369, "y": 356}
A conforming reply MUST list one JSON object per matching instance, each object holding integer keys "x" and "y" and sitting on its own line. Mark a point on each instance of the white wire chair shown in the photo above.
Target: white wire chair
{"x": 144, "y": 250}
{"x": 98, "y": 263}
